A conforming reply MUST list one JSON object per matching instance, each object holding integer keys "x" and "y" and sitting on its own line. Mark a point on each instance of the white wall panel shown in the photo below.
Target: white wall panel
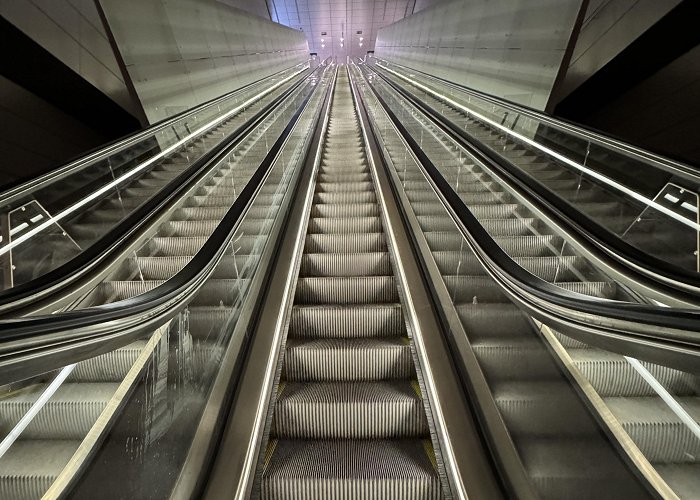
{"x": 509, "y": 48}
{"x": 180, "y": 53}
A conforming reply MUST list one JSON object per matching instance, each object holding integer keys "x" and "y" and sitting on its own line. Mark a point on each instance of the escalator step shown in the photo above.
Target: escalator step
{"x": 548, "y": 462}
{"x": 657, "y": 430}
{"x": 541, "y": 408}
{"x": 345, "y": 210}
{"x": 346, "y": 290}
{"x": 350, "y": 469}
{"x": 612, "y": 375}
{"x": 30, "y": 467}
{"x": 68, "y": 415}
{"x": 340, "y": 264}
{"x": 329, "y": 225}
{"x": 349, "y": 410}
{"x": 110, "y": 367}
{"x": 345, "y": 243}
{"x": 347, "y": 321}
{"x": 213, "y": 292}
{"x": 342, "y": 359}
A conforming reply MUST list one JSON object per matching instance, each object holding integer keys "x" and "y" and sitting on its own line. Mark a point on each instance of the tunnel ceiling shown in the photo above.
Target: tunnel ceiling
{"x": 346, "y": 23}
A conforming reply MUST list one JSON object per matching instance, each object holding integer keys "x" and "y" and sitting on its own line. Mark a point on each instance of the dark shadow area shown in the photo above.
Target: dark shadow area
{"x": 649, "y": 94}
{"x": 49, "y": 114}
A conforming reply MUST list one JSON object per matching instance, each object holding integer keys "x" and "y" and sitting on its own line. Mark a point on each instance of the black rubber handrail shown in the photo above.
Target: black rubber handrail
{"x": 34, "y": 345}
{"x": 13, "y": 300}
{"x": 667, "y": 336}
{"x": 670, "y": 165}
{"x": 668, "y": 278}
{"x": 24, "y": 188}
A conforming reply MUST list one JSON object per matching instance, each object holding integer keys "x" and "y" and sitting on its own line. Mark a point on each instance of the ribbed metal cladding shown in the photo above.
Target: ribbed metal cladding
{"x": 69, "y": 414}
{"x": 30, "y": 466}
{"x": 343, "y": 225}
{"x": 349, "y": 420}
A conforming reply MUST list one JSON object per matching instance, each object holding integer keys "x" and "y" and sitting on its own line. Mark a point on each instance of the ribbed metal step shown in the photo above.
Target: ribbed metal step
{"x": 213, "y": 292}
{"x": 30, "y": 467}
{"x": 521, "y": 358}
{"x": 346, "y": 290}
{"x": 110, "y": 367}
{"x": 345, "y": 243}
{"x": 349, "y": 419}
{"x": 612, "y": 375}
{"x": 347, "y": 321}
{"x": 341, "y": 264}
{"x": 553, "y": 475}
{"x": 68, "y": 415}
{"x": 329, "y": 225}
{"x": 348, "y": 359}
{"x": 350, "y": 469}
{"x": 559, "y": 442}
{"x": 349, "y": 410}
{"x": 656, "y": 429}
{"x": 542, "y": 408}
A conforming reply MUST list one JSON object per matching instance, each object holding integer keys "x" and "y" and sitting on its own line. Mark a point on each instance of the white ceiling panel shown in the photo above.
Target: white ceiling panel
{"x": 340, "y": 20}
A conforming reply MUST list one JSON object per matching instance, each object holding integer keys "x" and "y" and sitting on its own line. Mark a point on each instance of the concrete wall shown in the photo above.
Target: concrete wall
{"x": 23, "y": 118}
{"x": 662, "y": 112}
{"x": 180, "y": 53}
{"x": 257, "y": 7}
{"x": 608, "y": 27}
{"x": 71, "y": 30}
{"x": 509, "y": 48}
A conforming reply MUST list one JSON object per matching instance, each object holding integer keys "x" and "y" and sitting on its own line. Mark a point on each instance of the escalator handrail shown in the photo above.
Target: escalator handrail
{"x": 671, "y": 166}
{"x": 34, "y": 345}
{"x": 54, "y": 282}
{"x": 667, "y": 278}
{"x": 664, "y": 335}
{"x": 21, "y": 191}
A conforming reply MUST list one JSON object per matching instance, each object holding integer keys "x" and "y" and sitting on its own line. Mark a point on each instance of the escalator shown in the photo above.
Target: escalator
{"x": 86, "y": 228}
{"x": 540, "y": 408}
{"x": 546, "y": 154}
{"x": 349, "y": 413}
{"x": 76, "y": 405}
{"x": 31, "y": 464}
{"x": 128, "y": 175}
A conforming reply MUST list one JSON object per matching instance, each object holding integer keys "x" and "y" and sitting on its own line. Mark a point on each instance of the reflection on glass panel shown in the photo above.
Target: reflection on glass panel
{"x": 656, "y": 406}
{"x": 513, "y": 226}
{"x": 610, "y": 185}
{"x": 90, "y": 202}
{"x": 124, "y": 421}
{"x": 559, "y": 441}
{"x": 669, "y": 235}
{"x": 52, "y": 244}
